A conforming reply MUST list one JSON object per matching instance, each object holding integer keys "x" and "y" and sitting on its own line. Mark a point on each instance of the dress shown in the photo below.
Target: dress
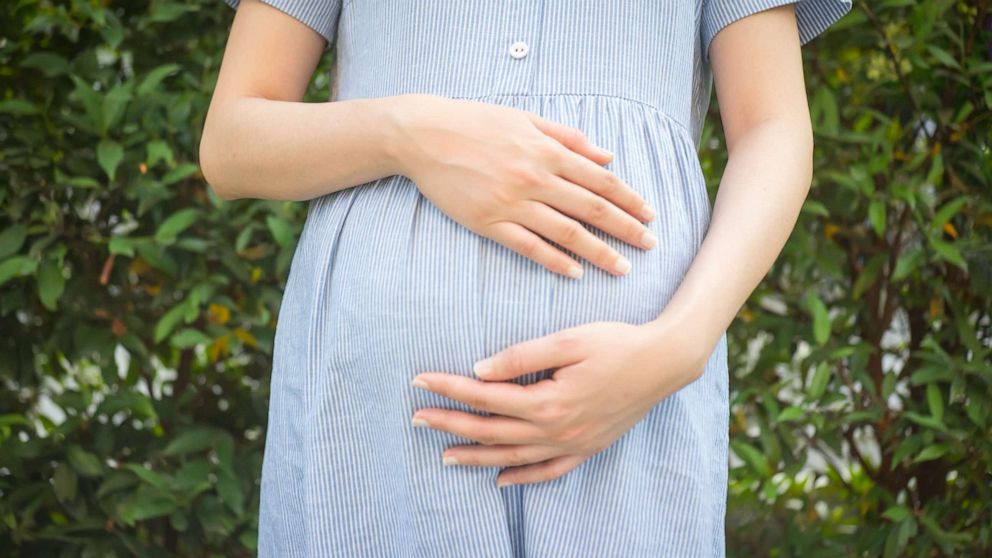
{"x": 383, "y": 286}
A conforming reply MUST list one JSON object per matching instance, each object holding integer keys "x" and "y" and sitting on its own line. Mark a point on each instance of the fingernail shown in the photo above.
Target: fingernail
{"x": 419, "y": 422}
{"x": 483, "y": 367}
{"x": 606, "y": 152}
{"x": 575, "y": 272}
{"x": 501, "y": 483}
{"x": 450, "y": 460}
{"x": 647, "y": 212}
{"x": 622, "y": 265}
{"x": 417, "y": 382}
{"x": 648, "y": 240}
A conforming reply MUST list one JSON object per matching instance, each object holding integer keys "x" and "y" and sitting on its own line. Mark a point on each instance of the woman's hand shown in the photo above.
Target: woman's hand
{"x": 514, "y": 177}
{"x": 608, "y": 376}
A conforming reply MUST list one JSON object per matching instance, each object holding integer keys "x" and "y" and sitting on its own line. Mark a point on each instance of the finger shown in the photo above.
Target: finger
{"x": 551, "y": 351}
{"x": 571, "y": 138}
{"x": 569, "y": 233}
{"x": 531, "y": 246}
{"x": 502, "y": 398}
{"x": 582, "y": 204}
{"x": 539, "y": 472}
{"x": 499, "y": 456}
{"x": 595, "y": 178}
{"x": 485, "y": 430}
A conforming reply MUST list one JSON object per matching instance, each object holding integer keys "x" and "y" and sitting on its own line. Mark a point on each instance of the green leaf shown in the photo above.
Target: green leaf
{"x": 84, "y": 462}
{"x": 896, "y": 513}
{"x": 51, "y": 283}
{"x": 931, "y": 452}
{"x": 792, "y": 412}
{"x": 146, "y": 502}
{"x": 65, "y": 481}
{"x": 175, "y": 224}
{"x": 153, "y": 78}
{"x": 876, "y": 214}
{"x": 190, "y": 441}
{"x": 18, "y": 266}
{"x": 948, "y": 252}
{"x": 818, "y": 385}
{"x": 189, "y": 337}
{"x": 18, "y": 107}
{"x": 157, "y": 480}
{"x": 169, "y": 321}
{"x": 282, "y": 231}
{"x": 109, "y": 154}
{"x": 11, "y": 239}
{"x": 229, "y": 489}
{"x": 751, "y": 456}
{"x": 943, "y": 56}
{"x": 821, "y": 320}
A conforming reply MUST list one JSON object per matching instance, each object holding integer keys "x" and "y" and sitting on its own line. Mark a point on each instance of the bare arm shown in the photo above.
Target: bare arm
{"x": 260, "y": 141}
{"x": 758, "y": 74}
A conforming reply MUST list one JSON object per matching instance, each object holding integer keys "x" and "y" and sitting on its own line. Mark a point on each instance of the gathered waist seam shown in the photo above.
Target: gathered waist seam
{"x": 679, "y": 125}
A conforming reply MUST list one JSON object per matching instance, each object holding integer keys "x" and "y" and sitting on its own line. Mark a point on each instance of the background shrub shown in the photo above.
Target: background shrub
{"x": 138, "y": 311}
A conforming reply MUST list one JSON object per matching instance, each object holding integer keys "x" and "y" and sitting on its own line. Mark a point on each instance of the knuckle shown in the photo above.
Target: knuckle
{"x": 598, "y": 209}
{"x": 513, "y": 359}
{"x": 528, "y": 247}
{"x": 611, "y": 184}
{"x": 566, "y": 342}
{"x": 516, "y": 457}
{"x": 478, "y": 401}
{"x": 486, "y": 437}
{"x": 568, "y": 435}
{"x": 569, "y": 232}
{"x": 524, "y": 174}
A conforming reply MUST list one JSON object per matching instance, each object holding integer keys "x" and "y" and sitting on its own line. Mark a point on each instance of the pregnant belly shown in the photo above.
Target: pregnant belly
{"x": 392, "y": 272}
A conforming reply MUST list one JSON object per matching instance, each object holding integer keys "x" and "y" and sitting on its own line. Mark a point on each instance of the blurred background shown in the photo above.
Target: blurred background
{"x": 137, "y": 310}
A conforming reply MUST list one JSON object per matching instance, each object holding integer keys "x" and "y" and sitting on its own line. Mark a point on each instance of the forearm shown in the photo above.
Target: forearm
{"x": 253, "y": 147}
{"x": 762, "y": 190}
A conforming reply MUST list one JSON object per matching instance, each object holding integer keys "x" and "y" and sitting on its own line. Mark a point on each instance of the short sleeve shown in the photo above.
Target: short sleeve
{"x": 319, "y": 15}
{"x": 812, "y": 16}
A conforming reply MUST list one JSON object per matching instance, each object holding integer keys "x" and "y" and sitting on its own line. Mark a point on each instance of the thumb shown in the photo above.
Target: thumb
{"x": 572, "y": 138}
{"x": 551, "y": 351}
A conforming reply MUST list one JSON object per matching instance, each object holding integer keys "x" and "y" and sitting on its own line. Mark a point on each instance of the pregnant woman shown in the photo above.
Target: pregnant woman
{"x": 503, "y": 331}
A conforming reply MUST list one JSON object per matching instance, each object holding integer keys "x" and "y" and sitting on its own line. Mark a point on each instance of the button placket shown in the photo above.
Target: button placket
{"x": 520, "y": 36}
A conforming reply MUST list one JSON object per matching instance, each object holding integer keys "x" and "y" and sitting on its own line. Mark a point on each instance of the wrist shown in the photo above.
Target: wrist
{"x": 396, "y": 130}
{"x": 691, "y": 335}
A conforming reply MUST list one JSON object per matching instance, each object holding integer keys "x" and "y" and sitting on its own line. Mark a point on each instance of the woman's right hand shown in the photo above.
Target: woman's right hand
{"x": 515, "y": 177}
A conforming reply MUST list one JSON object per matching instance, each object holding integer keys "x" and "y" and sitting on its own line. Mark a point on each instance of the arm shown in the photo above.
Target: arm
{"x": 260, "y": 141}
{"x": 758, "y": 73}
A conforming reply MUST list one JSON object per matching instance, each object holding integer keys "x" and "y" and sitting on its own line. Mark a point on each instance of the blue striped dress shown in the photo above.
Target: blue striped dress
{"x": 383, "y": 286}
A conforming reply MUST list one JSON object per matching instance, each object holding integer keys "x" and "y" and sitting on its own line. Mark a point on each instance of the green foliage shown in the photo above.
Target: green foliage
{"x": 861, "y": 367}
{"x": 138, "y": 311}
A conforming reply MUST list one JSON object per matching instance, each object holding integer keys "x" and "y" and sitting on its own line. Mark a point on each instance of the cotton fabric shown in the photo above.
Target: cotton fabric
{"x": 384, "y": 286}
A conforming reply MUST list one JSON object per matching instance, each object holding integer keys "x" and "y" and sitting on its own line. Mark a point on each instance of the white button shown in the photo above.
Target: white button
{"x": 518, "y": 49}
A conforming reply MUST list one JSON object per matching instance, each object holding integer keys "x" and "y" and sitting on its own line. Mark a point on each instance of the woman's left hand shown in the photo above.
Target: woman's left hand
{"x": 608, "y": 376}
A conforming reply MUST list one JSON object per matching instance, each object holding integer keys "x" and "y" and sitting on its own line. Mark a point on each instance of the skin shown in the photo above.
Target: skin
{"x": 599, "y": 388}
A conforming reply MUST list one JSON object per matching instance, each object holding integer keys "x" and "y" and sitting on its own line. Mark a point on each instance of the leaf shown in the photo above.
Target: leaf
{"x": 18, "y": 266}
{"x": 11, "y": 239}
{"x": 146, "y": 502}
{"x": 948, "y": 252}
{"x": 65, "y": 481}
{"x": 84, "y": 462}
{"x": 189, "y": 337}
{"x": 790, "y": 413}
{"x": 229, "y": 489}
{"x": 153, "y": 78}
{"x": 752, "y": 457}
{"x": 157, "y": 480}
{"x": 876, "y": 214}
{"x": 818, "y": 385}
{"x": 109, "y": 155}
{"x": 169, "y": 321}
{"x": 821, "y": 320}
{"x": 281, "y": 230}
{"x": 943, "y": 56}
{"x": 17, "y": 107}
{"x": 51, "y": 283}
{"x": 896, "y": 513}
{"x": 190, "y": 441}
{"x": 931, "y": 452}
{"x": 175, "y": 224}
{"x": 936, "y": 402}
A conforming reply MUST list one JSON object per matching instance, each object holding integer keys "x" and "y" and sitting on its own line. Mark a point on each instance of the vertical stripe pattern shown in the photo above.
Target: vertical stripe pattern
{"x": 383, "y": 286}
